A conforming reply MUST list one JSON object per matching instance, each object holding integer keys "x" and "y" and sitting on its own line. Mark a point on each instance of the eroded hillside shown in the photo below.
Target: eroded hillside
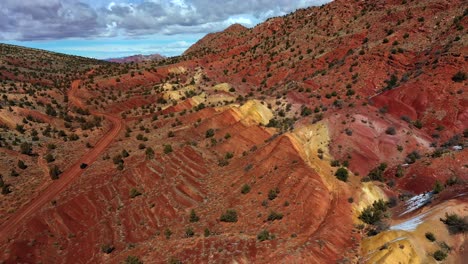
{"x": 335, "y": 134}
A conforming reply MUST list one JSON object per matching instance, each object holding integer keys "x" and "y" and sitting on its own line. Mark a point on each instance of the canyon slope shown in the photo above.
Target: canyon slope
{"x": 334, "y": 134}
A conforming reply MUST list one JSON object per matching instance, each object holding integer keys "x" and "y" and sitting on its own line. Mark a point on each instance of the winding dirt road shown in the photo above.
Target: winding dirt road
{"x": 69, "y": 175}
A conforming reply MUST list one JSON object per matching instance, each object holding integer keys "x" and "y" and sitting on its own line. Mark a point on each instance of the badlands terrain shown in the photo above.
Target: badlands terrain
{"x": 334, "y": 134}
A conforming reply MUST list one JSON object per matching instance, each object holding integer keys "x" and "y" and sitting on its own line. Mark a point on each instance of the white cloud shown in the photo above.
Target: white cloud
{"x": 59, "y": 19}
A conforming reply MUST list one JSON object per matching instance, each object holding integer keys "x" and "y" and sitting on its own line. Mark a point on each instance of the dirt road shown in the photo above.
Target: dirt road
{"x": 69, "y": 175}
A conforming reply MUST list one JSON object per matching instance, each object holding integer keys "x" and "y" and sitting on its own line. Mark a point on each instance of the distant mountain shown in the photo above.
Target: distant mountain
{"x": 137, "y": 58}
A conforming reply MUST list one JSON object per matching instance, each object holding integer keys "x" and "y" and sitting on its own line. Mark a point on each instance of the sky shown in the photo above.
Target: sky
{"x": 117, "y": 28}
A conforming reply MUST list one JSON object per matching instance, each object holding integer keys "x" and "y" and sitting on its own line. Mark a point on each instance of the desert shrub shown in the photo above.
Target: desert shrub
{"x": 149, "y": 153}
{"x": 134, "y": 193}
{"x": 106, "y": 248}
{"x": 418, "y": 124}
{"x": 439, "y": 255}
{"x": 459, "y": 76}
{"x": 377, "y": 174}
{"x": 273, "y": 193}
{"x": 390, "y": 131}
{"x": 412, "y": 157}
{"x": 167, "y": 233}
{"x": 209, "y": 133}
{"x": 264, "y": 235}
{"x": 430, "y": 236}
{"x": 342, "y": 174}
{"x": 54, "y": 172}
{"x": 193, "y": 217}
{"x": 274, "y": 216}
{"x": 133, "y": 260}
{"x": 438, "y": 187}
{"x": 26, "y": 148}
{"x": 229, "y": 216}
{"x": 167, "y": 149}
{"x": 373, "y": 213}
{"x": 245, "y": 189}
{"x": 22, "y": 165}
{"x": 455, "y": 223}
{"x": 189, "y": 232}
{"x": 207, "y": 232}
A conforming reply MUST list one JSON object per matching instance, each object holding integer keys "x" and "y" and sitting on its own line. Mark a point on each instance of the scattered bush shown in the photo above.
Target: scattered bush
{"x": 54, "y": 172}
{"x": 412, "y": 157}
{"x": 245, "y": 189}
{"x": 22, "y": 165}
{"x": 373, "y": 213}
{"x": 264, "y": 235}
{"x": 193, "y": 217}
{"x": 134, "y": 193}
{"x": 273, "y": 193}
{"x": 106, "y": 248}
{"x": 455, "y": 223}
{"x": 229, "y": 216}
{"x": 459, "y": 76}
{"x": 377, "y": 174}
{"x": 439, "y": 255}
{"x": 438, "y": 187}
{"x": 430, "y": 236}
{"x": 390, "y": 131}
{"x": 189, "y": 232}
{"x": 133, "y": 260}
{"x": 167, "y": 149}
{"x": 274, "y": 216}
{"x": 209, "y": 133}
{"x": 26, "y": 148}
{"x": 342, "y": 174}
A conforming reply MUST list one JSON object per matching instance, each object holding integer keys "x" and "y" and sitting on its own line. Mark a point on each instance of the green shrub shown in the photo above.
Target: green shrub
{"x": 455, "y": 223}
{"x": 373, "y": 213}
{"x": 430, "y": 236}
{"x": 439, "y": 255}
{"x": 342, "y": 174}
{"x": 54, "y": 172}
{"x": 167, "y": 149}
{"x": 274, "y": 216}
{"x": 193, "y": 217}
{"x": 22, "y": 165}
{"x": 459, "y": 76}
{"x": 438, "y": 187}
{"x": 106, "y": 248}
{"x": 245, "y": 189}
{"x": 229, "y": 216}
{"x": 209, "y": 133}
{"x": 264, "y": 235}
{"x": 273, "y": 193}
{"x": 189, "y": 232}
{"x": 133, "y": 260}
{"x": 134, "y": 193}
{"x": 377, "y": 174}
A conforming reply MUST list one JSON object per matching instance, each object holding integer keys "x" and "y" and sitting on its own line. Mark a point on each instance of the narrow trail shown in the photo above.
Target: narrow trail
{"x": 69, "y": 175}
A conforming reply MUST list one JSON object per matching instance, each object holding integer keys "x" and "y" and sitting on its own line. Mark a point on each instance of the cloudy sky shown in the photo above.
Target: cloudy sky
{"x": 106, "y": 28}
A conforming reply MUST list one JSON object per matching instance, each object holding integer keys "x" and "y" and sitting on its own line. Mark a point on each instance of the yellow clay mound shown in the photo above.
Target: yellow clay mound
{"x": 390, "y": 247}
{"x": 254, "y": 111}
{"x": 177, "y": 70}
{"x": 308, "y": 140}
{"x": 222, "y": 87}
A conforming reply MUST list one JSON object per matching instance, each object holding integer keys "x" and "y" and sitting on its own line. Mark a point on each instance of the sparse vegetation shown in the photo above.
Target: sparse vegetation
{"x": 229, "y": 216}
{"x": 264, "y": 235}
{"x": 342, "y": 174}
{"x": 373, "y": 213}
{"x": 430, "y": 236}
{"x": 455, "y": 223}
